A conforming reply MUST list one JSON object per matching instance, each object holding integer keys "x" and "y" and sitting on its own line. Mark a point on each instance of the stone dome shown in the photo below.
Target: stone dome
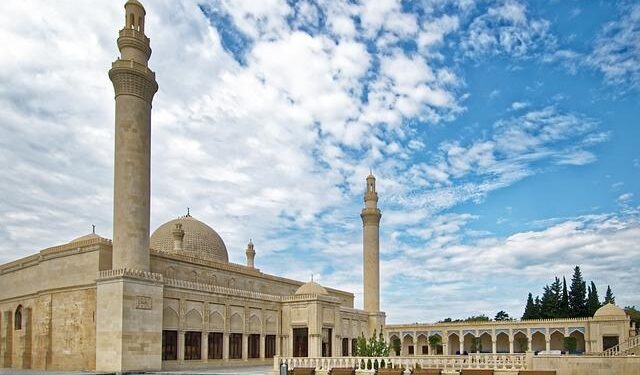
{"x": 86, "y": 237}
{"x": 200, "y": 240}
{"x": 311, "y": 288}
{"x": 610, "y": 310}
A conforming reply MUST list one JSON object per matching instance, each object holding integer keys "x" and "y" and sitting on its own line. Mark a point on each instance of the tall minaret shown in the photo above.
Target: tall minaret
{"x": 371, "y": 247}
{"x": 134, "y": 84}
{"x": 251, "y": 254}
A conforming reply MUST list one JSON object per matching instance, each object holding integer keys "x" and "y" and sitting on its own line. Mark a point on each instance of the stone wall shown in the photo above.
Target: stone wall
{"x": 588, "y": 365}
{"x": 230, "y": 275}
{"x": 64, "y": 317}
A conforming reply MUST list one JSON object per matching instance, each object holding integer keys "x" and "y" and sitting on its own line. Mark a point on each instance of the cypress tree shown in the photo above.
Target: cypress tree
{"x": 577, "y": 295}
{"x": 593, "y": 302}
{"x": 564, "y": 300}
{"x": 549, "y": 303}
{"x": 537, "y": 308}
{"x": 529, "y": 310}
{"x": 609, "y": 298}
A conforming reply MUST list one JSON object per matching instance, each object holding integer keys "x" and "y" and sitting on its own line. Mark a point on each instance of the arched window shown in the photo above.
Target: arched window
{"x": 132, "y": 21}
{"x": 18, "y": 318}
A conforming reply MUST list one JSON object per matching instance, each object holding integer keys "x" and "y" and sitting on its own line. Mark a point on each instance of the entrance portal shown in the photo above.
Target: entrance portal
{"x": 300, "y": 342}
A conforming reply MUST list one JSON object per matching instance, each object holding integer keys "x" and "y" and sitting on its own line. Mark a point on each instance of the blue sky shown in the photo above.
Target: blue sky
{"x": 503, "y": 134}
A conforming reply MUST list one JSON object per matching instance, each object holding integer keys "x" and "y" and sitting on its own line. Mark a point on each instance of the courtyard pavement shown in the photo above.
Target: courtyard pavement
{"x": 249, "y": 370}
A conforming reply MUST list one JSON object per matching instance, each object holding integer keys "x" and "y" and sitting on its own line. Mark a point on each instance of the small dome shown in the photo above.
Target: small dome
{"x": 200, "y": 240}
{"x": 610, "y": 310}
{"x": 311, "y": 288}
{"x": 86, "y": 237}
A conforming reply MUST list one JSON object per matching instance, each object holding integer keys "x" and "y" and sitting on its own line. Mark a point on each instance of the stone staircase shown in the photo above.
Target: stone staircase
{"x": 631, "y": 346}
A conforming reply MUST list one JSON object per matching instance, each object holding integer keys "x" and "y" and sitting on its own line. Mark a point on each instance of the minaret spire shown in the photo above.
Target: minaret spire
{"x": 371, "y": 246}
{"x": 134, "y": 85}
{"x": 251, "y": 254}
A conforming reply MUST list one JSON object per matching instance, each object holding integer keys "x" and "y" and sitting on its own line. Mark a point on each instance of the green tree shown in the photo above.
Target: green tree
{"x": 593, "y": 302}
{"x": 564, "y": 300}
{"x": 529, "y": 310}
{"x": 578, "y": 295}
{"x": 375, "y": 346}
{"x": 570, "y": 344}
{"x": 477, "y": 318}
{"x": 501, "y": 316}
{"x": 538, "y": 308}
{"x": 434, "y": 342}
{"x": 550, "y": 302}
{"x": 609, "y": 298}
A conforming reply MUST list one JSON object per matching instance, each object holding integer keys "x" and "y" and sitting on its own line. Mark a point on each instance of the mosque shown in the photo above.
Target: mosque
{"x": 173, "y": 300}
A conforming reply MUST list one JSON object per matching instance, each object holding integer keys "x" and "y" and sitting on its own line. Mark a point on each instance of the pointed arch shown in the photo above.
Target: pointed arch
{"x": 236, "y": 322}
{"x": 216, "y": 321}
{"x": 271, "y": 324}
{"x": 170, "y": 318}
{"x": 193, "y": 319}
{"x": 255, "y": 324}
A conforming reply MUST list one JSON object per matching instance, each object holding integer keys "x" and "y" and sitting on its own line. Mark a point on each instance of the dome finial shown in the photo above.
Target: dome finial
{"x": 93, "y": 228}
{"x": 188, "y": 212}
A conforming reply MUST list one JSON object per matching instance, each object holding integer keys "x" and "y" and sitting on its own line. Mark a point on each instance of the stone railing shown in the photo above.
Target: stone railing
{"x": 623, "y": 348}
{"x": 129, "y": 273}
{"x": 190, "y": 285}
{"x": 511, "y": 362}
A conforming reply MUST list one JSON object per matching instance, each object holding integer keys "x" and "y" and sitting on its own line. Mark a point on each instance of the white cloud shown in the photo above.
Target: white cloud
{"x": 507, "y": 28}
{"x": 447, "y": 264}
{"x": 616, "y": 53}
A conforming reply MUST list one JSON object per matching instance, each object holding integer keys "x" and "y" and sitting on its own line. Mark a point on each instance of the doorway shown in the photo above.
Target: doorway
{"x": 300, "y": 342}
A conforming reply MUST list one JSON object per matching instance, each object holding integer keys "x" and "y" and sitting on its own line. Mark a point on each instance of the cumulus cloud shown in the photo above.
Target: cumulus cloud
{"x": 616, "y": 53}
{"x": 459, "y": 271}
{"x": 507, "y": 28}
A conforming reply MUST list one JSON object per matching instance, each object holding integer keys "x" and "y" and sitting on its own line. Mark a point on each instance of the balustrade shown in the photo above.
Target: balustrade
{"x": 446, "y": 362}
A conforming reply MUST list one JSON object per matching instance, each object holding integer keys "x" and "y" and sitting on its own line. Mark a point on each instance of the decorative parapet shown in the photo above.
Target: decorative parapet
{"x": 351, "y": 310}
{"x": 208, "y": 262}
{"x": 130, "y": 274}
{"x": 132, "y": 78}
{"x": 208, "y": 288}
{"x": 134, "y": 39}
{"x": 307, "y": 297}
{"x": 508, "y": 362}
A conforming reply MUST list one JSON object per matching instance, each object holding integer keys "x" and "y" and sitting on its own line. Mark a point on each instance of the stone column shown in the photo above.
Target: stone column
{"x": 135, "y": 85}
{"x": 205, "y": 347}
{"x": 245, "y": 347}
{"x": 494, "y": 346}
{"x": 180, "y": 346}
{"x": 510, "y": 345}
{"x": 279, "y": 340}
{"x": 262, "y": 345}
{"x": 225, "y": 346}
{"x": 461, "y": 344}
{"x": 548, "y": 344}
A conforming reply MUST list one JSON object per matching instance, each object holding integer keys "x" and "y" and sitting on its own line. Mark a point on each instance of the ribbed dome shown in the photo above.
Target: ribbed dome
{"x": 200, "y": 240}
{"x": 89, "y": 236}
{"x": 311, "y": 288}
{"x": 610, "y": 310}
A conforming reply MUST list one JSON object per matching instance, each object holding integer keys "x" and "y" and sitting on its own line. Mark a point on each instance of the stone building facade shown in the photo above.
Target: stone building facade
{"x": 608, "y": 327}
{"x": 173, "y": 299}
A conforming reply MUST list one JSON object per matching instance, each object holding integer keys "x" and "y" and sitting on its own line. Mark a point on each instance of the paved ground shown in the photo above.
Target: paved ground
{"x": 251, "y": 370}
